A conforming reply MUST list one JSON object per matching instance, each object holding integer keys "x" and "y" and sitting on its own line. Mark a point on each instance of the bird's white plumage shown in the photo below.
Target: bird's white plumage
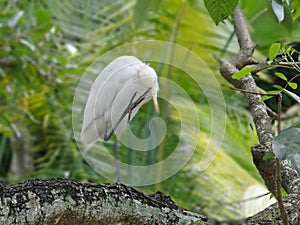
{"x": 118, "y": 88}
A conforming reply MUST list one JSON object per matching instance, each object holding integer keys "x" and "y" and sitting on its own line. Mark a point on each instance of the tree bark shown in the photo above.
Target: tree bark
{"x": 62, "y": 201}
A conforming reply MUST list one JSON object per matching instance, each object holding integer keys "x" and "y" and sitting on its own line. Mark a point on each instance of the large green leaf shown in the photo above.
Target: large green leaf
{"x": 219, "y": 10}
{"x": 286, "y": 145}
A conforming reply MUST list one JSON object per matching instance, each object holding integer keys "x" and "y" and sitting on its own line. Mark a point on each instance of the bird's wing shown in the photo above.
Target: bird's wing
{"x": 126, "y": 104}
{"x": 110, "y": 94}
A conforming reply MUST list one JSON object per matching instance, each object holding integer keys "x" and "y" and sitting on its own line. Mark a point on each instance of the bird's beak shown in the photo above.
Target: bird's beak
{"x": 155, "y": 103}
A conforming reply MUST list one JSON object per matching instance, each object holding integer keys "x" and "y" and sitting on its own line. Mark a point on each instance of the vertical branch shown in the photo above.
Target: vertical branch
{"x": 241, "y": 30}
{"x": 273, "y": 173}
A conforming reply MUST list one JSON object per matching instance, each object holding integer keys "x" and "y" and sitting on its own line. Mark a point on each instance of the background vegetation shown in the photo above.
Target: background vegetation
{"x": 45, "y": 47}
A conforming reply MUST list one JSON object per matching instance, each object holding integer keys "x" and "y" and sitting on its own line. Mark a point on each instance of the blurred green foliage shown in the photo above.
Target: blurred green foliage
{"x": 36, "y": 80}
{"x": 45, "y": 47}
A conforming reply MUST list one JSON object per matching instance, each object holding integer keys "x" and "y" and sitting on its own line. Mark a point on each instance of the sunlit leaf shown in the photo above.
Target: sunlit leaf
{"x": 243, "y": 72}
{"x": 271, "y": 94}
{"x": 266, "y": 97}
{"x": 293, "y": 85}
{"x": 274, "y": 49}
{"x": 296, "y": 9}
{"x": 268, "y": 155}
{"x": 281, "y": 75}
{"x": 274, "y": 92}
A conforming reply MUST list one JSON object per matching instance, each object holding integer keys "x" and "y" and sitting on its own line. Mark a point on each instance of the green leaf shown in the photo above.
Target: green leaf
{"x": 281, "y": 76}
{"x": 297, "y": 125}
{"x": 293, "y": 85}
{"x": 219, "y": 10}
{"x": 266, "y": 97}
{"x": 287, "y": 143}
{"x": 268, "y": 155}
{"x": 42, "y": 17}
{"x": 274, "y": 49}
{"x": 43, "y": 20}
{"x": 287, "y": 146}
{"x": 243, "y": 72}
{"x": 272, "y": 93}
{"x": 296, "y": 9}
{"x": 278, "y": 87}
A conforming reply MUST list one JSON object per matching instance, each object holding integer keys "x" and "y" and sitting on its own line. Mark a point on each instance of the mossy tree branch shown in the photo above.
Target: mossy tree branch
{"x": 62, "y": 201}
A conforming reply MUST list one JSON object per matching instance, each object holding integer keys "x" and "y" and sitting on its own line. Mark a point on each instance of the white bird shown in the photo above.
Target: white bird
{"x": 115, "y": 97}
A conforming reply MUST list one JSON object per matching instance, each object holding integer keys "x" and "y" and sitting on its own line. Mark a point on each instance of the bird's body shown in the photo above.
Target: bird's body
{"x": 115, "y": 97}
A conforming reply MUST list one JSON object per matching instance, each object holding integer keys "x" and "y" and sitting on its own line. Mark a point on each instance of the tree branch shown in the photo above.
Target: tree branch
{"x": 267, "y": 168}
{"x": 244, "y": 56}
{"x": 62, "y": 201}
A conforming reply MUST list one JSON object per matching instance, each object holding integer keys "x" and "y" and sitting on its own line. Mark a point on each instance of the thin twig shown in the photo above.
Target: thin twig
{"x": 289, "y": 114}
{"x": 261, "y": 65}
{"x": 283, "y": 213}
{"x": 279, "y": 112}
{"x": 252, "y": 92}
